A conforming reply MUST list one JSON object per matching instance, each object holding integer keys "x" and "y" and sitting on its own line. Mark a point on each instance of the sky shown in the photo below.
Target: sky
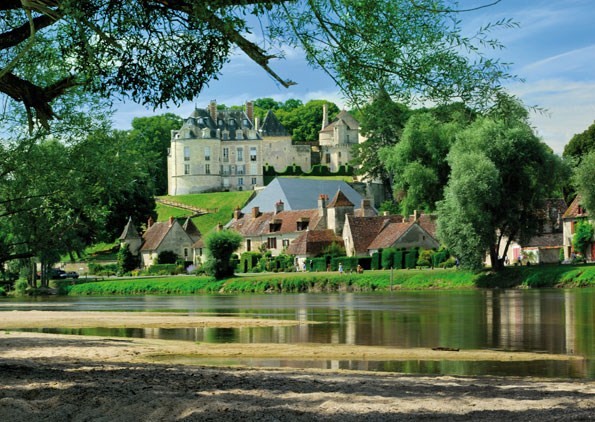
{"x": 552, "y": 50}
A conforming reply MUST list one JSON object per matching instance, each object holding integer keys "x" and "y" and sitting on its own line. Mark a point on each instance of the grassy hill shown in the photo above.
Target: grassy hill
{"x": 223, "y": 202}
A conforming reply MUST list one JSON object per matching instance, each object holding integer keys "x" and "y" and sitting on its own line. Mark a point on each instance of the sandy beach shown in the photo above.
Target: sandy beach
{"x": 53, "y": 377}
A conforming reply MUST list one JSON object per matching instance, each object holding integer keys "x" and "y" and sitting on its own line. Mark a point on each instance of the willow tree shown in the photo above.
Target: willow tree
{"x": 162, "y": 52}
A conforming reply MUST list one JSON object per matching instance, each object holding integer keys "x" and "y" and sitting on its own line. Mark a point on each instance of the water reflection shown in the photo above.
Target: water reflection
{"x": 553, "y": 321}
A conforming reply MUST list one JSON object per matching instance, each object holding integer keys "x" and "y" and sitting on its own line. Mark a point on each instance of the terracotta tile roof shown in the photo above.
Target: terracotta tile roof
{"x": 155, "y": 235}
{"x": 575, "y": 209}
{"x": 340, "y": 200}
{"x": 365, "y": 229}
{"x": 313, "y": 242}
{"x": 428, "y": 223}
{"x": 391, "y": 234}
{"x": 287, "y": 222}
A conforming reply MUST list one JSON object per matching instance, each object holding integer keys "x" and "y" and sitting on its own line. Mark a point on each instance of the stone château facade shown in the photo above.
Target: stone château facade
{"x": 227, "y": 149}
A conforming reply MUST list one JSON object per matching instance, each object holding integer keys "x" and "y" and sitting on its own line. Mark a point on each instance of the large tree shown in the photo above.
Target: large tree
{"x": 581, "y": 144}
{"x": 584, "y": 181}
{"x": 158, "y": 52}
{"x": 382, "y": 123}
{"x": 501, "y": 174}
{"x": 153, "y": 135}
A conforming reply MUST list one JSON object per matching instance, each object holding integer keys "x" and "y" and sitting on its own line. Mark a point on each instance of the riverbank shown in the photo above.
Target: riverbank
{"x": 383, "y": 280}
{"x": 59, "y": 377}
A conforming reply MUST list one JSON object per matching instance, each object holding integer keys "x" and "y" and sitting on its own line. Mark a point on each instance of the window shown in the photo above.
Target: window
{"x": 240, "y": 181}
{"x": 272, "y": 243}
{"x": 254, "y": 180}
{"x": 225, "y": 155}
{"x": 207, "y": 153}
{"x": 185, "y": 252}
{"x": 253, "y": 169}
{"x": 248, "y": 245}
{"x": 302, "y": 225}
{"x": 207, "y": 169}
{"x": 285, "y": 243}
{"x": 186, "y": 153}
{"x": 252, "y": 153}
{"x": 328, "y": 158}
{"x": 186, "y": 168}
{"x": 240, "y": 154}
{"x": 226, "y": 182}
{"x": 240, "y": 169}
{"x": 339, "y": 154}
{"x": 347, "y": 138}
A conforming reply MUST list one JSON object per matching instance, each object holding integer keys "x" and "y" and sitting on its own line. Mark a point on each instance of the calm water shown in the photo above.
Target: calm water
{"x": 553, "y": 321}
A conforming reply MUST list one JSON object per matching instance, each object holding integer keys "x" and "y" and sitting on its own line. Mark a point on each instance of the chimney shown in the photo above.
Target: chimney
{"x": 237, "y": 213}
{"x": 256, "y": 124}
{"x": 213, "y": 110}
{"x": 255, "y": 212}
{"x": 219, "y": 227}
{"x": 279, "y": 206}
{"x": 150, "y": 222}
{"x": 322, "y": 198}
{"x": 250, "y": 111}
{"x": 324, "y": 115}
{"x": 171, "y": 221}
{"x": 415, "y": 215}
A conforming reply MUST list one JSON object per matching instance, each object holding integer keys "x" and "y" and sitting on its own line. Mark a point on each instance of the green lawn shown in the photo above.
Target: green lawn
{"x": 223, "y": 202}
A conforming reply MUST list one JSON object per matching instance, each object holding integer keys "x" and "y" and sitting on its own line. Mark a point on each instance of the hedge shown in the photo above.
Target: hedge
{"x": 248, "y": 261}
{"x": 375, "y": 265}
{"x": 399, "y": 259}
{"x": 411, "y": 258}
{"x": 387, "y": 258}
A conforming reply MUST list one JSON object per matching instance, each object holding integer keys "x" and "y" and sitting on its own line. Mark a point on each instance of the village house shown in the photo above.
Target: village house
{"x": 545, "y": 246}
{"x": 365, "y": 235}
{"x": 575, "y": 213}
{"x": 182, "y": 239}
{"x": 336, "y": 139}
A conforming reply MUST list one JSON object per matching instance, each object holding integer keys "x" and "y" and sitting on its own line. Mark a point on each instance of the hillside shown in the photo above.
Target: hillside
{"x": 219, "y": 204}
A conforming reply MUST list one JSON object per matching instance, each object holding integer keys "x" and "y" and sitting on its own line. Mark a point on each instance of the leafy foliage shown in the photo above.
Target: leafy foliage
{"x": 581, "y": 144}
{"x": 501, "y": 173}
{"x": 167, "y": 257}
{"x": 584, "y": 180}
{"x": 583, "y": 237}
{"x": 126, "y": 260}
{"x": 221, "y": 245}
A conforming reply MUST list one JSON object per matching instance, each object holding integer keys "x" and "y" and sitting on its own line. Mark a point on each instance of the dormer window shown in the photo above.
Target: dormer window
{"x": 275, "y": 225}
{"x": 302, "y": 224}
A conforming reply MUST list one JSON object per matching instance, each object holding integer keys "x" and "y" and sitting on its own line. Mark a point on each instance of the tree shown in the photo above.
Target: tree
{"x": 583, "y": 237}
{"x": 584, "y": 180}
{"x": 152, "y": 135}
{"x": 418, "y": 162}
{"x": 305, "y": 121}
{"x": 581, "y": 144}
{"x": 501, "y": 174}
{"x": 163, "y": 52}
{"x": 126, "y": 260}
{"x": 382, "y": 123}
{"x": 220, "y": 246}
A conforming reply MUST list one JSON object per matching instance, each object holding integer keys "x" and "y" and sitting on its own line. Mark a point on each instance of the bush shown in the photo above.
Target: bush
{"x": 411, "y": 258}
{"x": 399, "y": 259}
{"x": 349, "y": 263}
{"x": 167, "y": 257}
{"x": 425, "y": 258}
{"x": 375, "y": 265}
{"x": 20, "y": 287}
{"x": 248, "y": 261}
{"x": 165, "y": 269}
{"x": 2, "y": 291}
{"x": 387, "y": 258}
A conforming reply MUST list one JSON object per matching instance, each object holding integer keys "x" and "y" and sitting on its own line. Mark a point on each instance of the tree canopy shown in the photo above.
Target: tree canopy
{"x": 584, "y": 181}
{"x": 166, "y": 51}
{"x": 581, "y": 144}
{"x": 501, "y": 173}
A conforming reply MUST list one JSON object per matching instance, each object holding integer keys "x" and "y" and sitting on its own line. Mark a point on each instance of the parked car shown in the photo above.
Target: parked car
{"x": 69, "y": 274}
{"x": 56, "y": 273}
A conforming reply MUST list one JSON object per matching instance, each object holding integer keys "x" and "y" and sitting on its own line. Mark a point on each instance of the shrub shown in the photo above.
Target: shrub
{"x": 375, "y": 265}
{"x": 387, "y": 258}
{"x": 248, "y": 261}
{"x": 20, "y": 287}
{"x": 221, "y": 245}
{"x": 411, "y": 258}
{"x": 2, "y": 291}
{"x": 425, "y": 258}
{"x": 399, "y": 259}
{"x": 167, "y": 257}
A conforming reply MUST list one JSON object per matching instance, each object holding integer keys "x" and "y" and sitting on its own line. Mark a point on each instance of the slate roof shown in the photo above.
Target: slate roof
{"x": 230, "y": 120}
{"x": 190, "y": 228}
{"x": 261, "y": 225}
{"x": 271, "y": 126}
{"x": 575, "y": 209}
{"x": 545, "y": 241}
{"x": 130, "y": 231}
{"x": 300, "y": 194}
{"x": 313, "y": 242}
{"x": 345, "y": 118}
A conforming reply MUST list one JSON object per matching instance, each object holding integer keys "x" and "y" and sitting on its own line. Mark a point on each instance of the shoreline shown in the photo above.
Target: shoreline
{"x": 54, "y": 377}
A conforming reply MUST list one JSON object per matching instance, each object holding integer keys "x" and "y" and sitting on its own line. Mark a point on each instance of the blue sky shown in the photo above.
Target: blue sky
{"x": 553, "y": 50}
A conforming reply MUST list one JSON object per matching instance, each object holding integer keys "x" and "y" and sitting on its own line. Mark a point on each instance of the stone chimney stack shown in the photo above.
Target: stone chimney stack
{"x": 171, "y": 221}
{"x": 250, "y": 111}
{"x": 237, "y": 213}
{"x": 324, "y": 115}
{"x": 256, "y": 124}
{"x": 322, "y": 199}
{"x": 415, "y": 215}
{"x": 213, "y": 110}
{"x": 150, "y": 222}
{"x": 279, "y": 206}
{"x": 255, "y": 212}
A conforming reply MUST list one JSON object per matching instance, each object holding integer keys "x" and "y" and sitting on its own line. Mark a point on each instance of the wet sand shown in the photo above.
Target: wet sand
{"x": 59, "y": 377}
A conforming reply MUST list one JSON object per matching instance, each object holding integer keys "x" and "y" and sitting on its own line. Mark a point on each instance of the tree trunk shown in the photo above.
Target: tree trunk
{"x": 497, "y": 262}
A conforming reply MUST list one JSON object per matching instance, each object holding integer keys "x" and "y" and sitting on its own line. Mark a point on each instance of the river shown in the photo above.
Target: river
{"x": 559, "y": 321}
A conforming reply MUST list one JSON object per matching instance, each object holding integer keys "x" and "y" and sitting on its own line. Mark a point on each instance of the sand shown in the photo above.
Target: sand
{"x": 74, "y": 378}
